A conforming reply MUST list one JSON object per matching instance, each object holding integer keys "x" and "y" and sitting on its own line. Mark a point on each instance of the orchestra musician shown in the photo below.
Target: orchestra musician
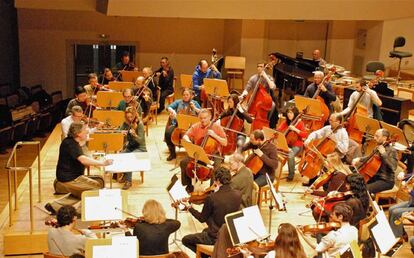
{"x": 397, "y": 211}
{"x": 129, "y": 101}
{"x": 270, "y": 86}
{"x": 316, "y": 56}
{"x": 62, "y": 240}
{"x": 216, "y": 206}
{"x": 165, "y": 81}
{"x": 242, "y": 179}
{"x": 107, "y": 76}
{"x": 196, "y": 134}
{"x": 134, "y": 132}
{"x": 123, "y": 65}
{"x": 287, "y": 243}
{"x": 334, "y": 241}
{"x": 327, "y": 93}
{"x": 186, "y": 105}
{"x": 299, "y": 129}
{"x": 154, "y": 229}
{"x": 144, "y": 97}
{"x": 384, "y": 179}
{"x": 93, "y": 87}
{"x": 368, "y": 100}
{"x": 76, "y": 116}
{"x": 267, "y": 152}
{"x": 79, "y": 100}
{"x": 202, "y": 71}
{"x": 149, "y": 82}
{"x": 333, "y": 131}
{"x": 70, "y": 169}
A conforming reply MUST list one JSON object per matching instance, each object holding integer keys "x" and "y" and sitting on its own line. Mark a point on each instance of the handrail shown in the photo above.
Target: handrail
{"x": 14, "y": 168}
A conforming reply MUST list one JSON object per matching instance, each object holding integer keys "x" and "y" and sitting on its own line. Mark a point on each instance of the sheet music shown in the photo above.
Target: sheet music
{"x": 244, "y": 233}
{"x": 102, "y": 207}
{"x": 383, "y": 234}
{"x": 277, "y": 196}
{"x": 255, "y": 221}
{"x": 127, "y": 162}
{"x": 102, "y": 251}
{"x": 125, "y": 245}
{"x": 178, "y": 192}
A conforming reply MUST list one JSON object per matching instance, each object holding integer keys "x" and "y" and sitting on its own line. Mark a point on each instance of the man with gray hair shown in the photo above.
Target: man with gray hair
{"x": 76, "y": 116}
{"x": 70, "y": 169}
{"x": 326, "y": 91}
{"x": 242, "y": 178}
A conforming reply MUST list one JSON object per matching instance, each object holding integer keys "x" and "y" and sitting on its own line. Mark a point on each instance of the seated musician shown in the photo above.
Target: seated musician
{"x": 232, "y": 104}
{"x": 396, "y": 212}
{"x": 369, "y": 99}
{"x": 154, "y": 229}
{"x": 268, "y": 83}
{"x": 123, "y": 65}
{"x": 297, "y": 146}
{"x": 70, "y": 169}
{"x": 76, "y": 116}
{"x": 93, "y": 87}
{"x": 333, "y": 131}
{"x": 128, "y": 101}
{"x": 316, "y": 56}
{"x": 186, "y": 105}
{"x": 79, "y": 100}
{"x": 242, "y": 178}
{"x": 202, "y": 71}
{"x": 61, "y": 240}
{"x": 165, "y": 81}
{"x": 107, "y": 77}
{"x": 379, "y": 85}
{"x": 335, "y": 240}
{"x": 149, "y": 82}
{"x": 327, "y": 93}
{"x": 384, "y": 179}
{"x": 267, "y": 152}
{"x": 134, "y": 138}
{"x": 196, "y": 135}
{"x": 216, "y": 206}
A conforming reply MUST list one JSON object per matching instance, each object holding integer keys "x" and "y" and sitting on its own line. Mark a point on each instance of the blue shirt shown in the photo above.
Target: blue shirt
{"x": 179, "y": 105}
{"x": 199, "y": 76}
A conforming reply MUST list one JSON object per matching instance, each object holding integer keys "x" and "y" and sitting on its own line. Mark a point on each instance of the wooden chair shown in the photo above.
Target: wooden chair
{"x": 235, "y": 66}
{"x": 406, "y": 93}
{"x": 171, "y": 98}
{"x": 389, "y": 195}
{"x": 264, "y": 193}
{"x": 204, "y": 249}
{"x": 186, "y": 80}
{"x": 49, "y": 255}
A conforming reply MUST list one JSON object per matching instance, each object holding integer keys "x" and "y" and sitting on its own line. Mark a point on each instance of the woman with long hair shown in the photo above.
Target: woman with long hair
{"x": 359, "y": 202}
{"x": 287, "y": 243}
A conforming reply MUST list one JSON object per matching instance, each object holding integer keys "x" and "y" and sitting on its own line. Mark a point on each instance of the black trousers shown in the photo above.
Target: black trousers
{"x": 164, "y": 95}
{"x": 191, "y": 241}
{"x": 167, "y": 136}
{"x": 376, "y": 185}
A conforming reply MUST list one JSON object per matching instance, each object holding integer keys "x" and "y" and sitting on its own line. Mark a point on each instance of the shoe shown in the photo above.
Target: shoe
{"x": 50, "y": 209}
{"x": 306, "y": 184}
{"x": 189, "y": 188}
{"x": 127, "y": 185}
{"x": 171, "y": 157}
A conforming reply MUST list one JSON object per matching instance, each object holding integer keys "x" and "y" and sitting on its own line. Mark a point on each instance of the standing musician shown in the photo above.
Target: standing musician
{"x": 79, "y": 100}
{"x": 149, "y": 82}
{"x": 268, "y": 83}
{"x": 135, "y": 138}
{"x": 316, "y": 56}
{"x": 242, "y": 179}
{"x": 216, "y": 206}
{"x": 107, "y": 76}
{"x": 196, "y": 134}
{"x": 93, "y": 87}
{"x": 202, "y": 71}
{"x": 267, "y": 152}
{"x": 123, "y": 65}
{"x": 154, "y": 229}
{"x": 300, "y": 134}
{"x": 384, "y": 178}
{"x": 334, "y": 241}
{"x": 62, "y": 240}
{"x": 166, "y": 80}
{"x": 186, "y": 105}
{"x": 327, "y": 93}
{"x": 368, "y": 99}
{"x": 335, "y": 132}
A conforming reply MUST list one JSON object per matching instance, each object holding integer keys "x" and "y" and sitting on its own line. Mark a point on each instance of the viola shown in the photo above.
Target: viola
{"x": 231, "y": 125}
{"x": 325, "y": 227}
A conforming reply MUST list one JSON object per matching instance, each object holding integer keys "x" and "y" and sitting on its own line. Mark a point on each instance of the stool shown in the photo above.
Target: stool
{"x": 264, "y": 193}
{"x": 399, "y": 42}
{"x": 204, "y": 249}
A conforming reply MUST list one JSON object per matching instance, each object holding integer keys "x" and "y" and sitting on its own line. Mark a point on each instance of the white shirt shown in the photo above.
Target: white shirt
{"x": 334, "y": 241}
{"x": 340, "y": 137}
{"x": 65, "y": 124}
{"x": 366, "y": 101}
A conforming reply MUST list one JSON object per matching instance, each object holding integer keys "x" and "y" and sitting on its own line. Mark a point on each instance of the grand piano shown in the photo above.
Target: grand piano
{"x": 393, "y": 109}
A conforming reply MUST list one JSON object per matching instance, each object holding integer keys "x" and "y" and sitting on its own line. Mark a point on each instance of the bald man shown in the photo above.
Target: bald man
{"x": 203, "y": 70}
{"x": 316, "y": 56}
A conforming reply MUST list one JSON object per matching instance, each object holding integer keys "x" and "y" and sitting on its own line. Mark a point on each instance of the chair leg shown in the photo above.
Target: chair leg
{"x": 399, "y": 71}
{"x": 142, "y": 176}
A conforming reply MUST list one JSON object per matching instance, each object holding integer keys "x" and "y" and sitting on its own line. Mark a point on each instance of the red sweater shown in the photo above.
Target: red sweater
{"x": 302, "y": 134}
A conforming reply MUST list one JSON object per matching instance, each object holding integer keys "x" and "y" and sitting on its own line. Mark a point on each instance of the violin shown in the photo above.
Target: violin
{"x": 325, "y": 227}
{"x": 199, "y": 197}
{"x": 131, "y": 222}
{"x": 256, "y": 247}
{"x": 322, "y": 207}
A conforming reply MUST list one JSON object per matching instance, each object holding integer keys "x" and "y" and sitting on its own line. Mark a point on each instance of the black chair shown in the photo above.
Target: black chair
{"x": 35, "y": 89}
{"x": 57, "y": 96}
{"x": 399, "y": 42}
{"x": 5, "y": 89}
{"x": 32, "y": 126}
{"x": 13, "y": 101}
{"x": 5, "y": 138}
{"x": 20, "y": 131}
{"x": 45, "y": 121}
{"x": 372, "y": 67}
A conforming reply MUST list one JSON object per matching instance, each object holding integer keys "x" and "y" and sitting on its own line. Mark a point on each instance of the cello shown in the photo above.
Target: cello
{"x": 232, "y": 125}
{"x": 291, "y": 136}
{"x": 253, "y": 162}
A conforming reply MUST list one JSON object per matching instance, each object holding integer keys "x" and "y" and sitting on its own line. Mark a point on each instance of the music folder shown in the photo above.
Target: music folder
{"x": 176, "y": 191}
{"x": 104, "y": 204}
{"x": 382, "y": 235}
{"x": 246, "y": 225}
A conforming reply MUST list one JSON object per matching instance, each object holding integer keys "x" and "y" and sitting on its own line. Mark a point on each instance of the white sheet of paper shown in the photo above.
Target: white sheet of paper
{"x": 127, "y": 162}
{"x": 178, "y": 191}
{"x": 383, "y": 233}
{"x": 125, "y": 245}
{"x": 243, "y": 231}
{"x": 254, "y": 221}
{"x": 103, "y": 208}
{"x": 102, "y": 251}
{"x": 277, "y": 196}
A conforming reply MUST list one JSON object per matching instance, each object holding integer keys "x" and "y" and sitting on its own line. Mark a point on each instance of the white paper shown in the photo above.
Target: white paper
{"x": 102, "y": 251}
{"x": 277, "y": 196}
{"x": 103, "y": 208}
{"x": 178, "y": 191}
{"x": 254, "y": 221}
{"x": 244, "y": 233}
{"x": 127, "y": 162}
{"x": 383, "y": 233}
{"x": 125, "y": 245}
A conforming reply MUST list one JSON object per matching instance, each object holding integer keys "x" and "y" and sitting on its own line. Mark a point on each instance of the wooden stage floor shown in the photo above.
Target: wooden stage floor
{"x": 153, "y": 188}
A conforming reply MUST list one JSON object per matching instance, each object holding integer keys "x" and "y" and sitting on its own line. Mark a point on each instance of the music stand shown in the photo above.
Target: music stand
{"x": 216, "y": 87}
{"x": 108, "y": 99}
{"x": 395, "y": 132}
{"x": 111, "y": 118}
{"x": 278, "y": 200}
{"x": 130, "y": 76}
{"x": 184, "y": 122}
{"x": 106, "y": 142}
{"x": 104, "y": 205}
{"x": 197, "y": 153}
{"x": 186, "y": 80}
{"x": 120, "y": 86}
{"x": 128, "y": 246}
{"x": 313, "y": 105}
